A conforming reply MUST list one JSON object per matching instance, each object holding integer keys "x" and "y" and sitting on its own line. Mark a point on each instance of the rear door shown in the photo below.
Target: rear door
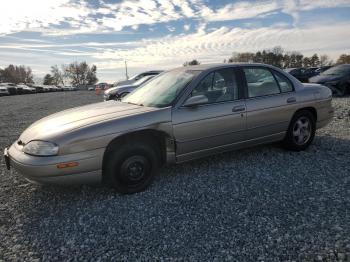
{"x": 270, "y": 101}
{"x": 213, "y": 126}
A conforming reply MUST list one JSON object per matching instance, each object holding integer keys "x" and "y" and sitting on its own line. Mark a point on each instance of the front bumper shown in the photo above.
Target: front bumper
{"x": 44, "y": 170}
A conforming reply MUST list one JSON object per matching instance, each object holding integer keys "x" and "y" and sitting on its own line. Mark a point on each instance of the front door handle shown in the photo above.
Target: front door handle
{"x": 291, "y": 100}
{"x": 238, "y": 108}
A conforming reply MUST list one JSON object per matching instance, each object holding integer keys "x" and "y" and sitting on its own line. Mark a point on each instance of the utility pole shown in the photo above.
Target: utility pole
{"x": 126, "y": 71}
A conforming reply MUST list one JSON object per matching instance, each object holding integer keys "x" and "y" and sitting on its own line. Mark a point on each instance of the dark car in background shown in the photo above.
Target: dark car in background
{"x": 336, "y": 78}
{"x": 302, "y": 74}
{"x": 322, "y": 69}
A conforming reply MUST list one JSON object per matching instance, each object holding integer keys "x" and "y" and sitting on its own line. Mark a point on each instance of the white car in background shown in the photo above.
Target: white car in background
{"x": 4, "y": 90}
{"x": 11, "y": 88}
{"x": 26, "y": 89}
{"x": 137, "y": 77}
{"x": 69, "y": 88}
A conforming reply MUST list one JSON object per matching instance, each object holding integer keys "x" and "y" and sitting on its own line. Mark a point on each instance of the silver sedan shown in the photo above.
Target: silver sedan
{"x": 180, "y": 115}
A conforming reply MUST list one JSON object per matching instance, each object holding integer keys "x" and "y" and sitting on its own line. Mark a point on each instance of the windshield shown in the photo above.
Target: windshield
{"x": 337, "y": 70}
{"x": 162, "y": 90}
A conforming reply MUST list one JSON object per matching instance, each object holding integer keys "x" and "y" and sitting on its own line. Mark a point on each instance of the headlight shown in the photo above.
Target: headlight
{"x": 40, "y": 148}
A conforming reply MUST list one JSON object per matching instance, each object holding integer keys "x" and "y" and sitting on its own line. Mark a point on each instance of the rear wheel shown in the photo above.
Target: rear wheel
{"x": 301, "y": 131}
{"x": 131, "y": 167}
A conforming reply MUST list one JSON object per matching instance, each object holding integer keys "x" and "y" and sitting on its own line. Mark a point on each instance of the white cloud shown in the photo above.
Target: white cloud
{"x": 78, "y": 17}
{"x": 19, "y": 15}
{"x": 187, "y": 27}
{"x": 172, "y": 51}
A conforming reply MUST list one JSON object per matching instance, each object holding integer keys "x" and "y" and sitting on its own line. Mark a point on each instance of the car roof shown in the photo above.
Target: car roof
{"x": 203, "y": 67}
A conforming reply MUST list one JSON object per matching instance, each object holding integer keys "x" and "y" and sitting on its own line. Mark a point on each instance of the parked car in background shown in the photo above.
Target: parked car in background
{"x": 336, "y": 78}
{"x": 38, "y": 88}
{"x": 91, "y": 88}
{"x": 302, "y": 74}
{"x": 26, "y": 89}
{"x": 19, "y": 90}
{"x": 46, "y": 88}
{"x": 183, "y": 114}
{"x": 69, "y": 88}
{"x": 118, "y": 92}
{"x": 11, "y": 88}
{"x": 101, "y": 87}
{"x": 4, "y": 90}
{"x": 137, "y": 77}
{"x": 322, "y": 69}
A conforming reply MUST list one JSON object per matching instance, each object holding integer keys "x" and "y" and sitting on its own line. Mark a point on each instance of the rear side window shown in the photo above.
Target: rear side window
{"x": 260, "y": 82}
{"x": 285, "y": 84}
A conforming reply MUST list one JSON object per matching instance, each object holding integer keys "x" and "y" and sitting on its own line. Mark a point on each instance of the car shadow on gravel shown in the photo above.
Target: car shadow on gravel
{"x": 249, "y": 203}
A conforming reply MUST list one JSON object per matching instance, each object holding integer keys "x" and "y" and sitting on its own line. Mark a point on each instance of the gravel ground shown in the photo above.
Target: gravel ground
{"x": 260, "y": 204}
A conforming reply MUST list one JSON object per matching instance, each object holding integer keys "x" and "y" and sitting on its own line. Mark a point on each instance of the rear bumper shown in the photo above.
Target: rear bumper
{"x": 44, "y": 170}
{"x": 325, "y": 118}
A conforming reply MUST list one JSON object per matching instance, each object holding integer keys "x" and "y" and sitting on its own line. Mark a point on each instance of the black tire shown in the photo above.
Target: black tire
{"x": 300, "y": 142}
{"x": 123, "y": 94}
{"x": 131, "y": 167}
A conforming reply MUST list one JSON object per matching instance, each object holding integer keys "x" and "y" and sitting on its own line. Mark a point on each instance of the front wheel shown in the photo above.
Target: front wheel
{"x": 301, "y": 131}
{"x": 131, "y": 167}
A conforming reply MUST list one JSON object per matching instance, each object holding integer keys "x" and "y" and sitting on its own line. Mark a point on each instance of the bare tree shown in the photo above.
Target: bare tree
{"x": 190, "y": 63}
{"x": 48, "y": 80}
{"x": 57, "y": 75}
{"x": 17, "y": 74}
{"x": 325, "y": 60}
{"x": 81, "y": 73}
{"x": 343, "y": 59}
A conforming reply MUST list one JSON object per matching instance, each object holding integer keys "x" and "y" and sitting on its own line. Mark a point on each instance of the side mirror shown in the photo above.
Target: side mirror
{"x": 196, "y": 101}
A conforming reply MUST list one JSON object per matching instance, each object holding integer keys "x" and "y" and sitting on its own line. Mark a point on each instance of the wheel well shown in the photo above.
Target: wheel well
{"x": 310, "y": 109}
{"x": 156, "y": 136}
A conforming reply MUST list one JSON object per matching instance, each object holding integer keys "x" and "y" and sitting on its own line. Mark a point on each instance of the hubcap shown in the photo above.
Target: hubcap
{"x": 134, "y": 169}
{"x": 302, "y": 130}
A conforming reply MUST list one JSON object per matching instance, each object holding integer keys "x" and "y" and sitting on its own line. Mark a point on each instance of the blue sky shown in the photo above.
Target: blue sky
{"x": 162, "y": 34}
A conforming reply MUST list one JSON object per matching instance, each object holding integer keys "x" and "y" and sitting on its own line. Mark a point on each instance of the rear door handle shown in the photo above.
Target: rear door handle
{"x": 291, "y": 100}
{"x": 238, "y": 108}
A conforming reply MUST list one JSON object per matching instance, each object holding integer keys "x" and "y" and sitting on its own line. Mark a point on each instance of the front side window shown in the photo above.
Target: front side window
{"x": 218, "y": 86}
{"x": 260, "y": 82}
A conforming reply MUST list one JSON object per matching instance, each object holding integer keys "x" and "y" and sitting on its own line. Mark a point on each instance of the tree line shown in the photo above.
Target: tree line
{"x": 16, "y": 74}
{"x": 277, "y": 56}
{"x": 74, "y": 73}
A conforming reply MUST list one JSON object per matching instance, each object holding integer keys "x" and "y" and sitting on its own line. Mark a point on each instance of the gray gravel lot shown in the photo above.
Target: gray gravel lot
{"x": 263, "y": 203}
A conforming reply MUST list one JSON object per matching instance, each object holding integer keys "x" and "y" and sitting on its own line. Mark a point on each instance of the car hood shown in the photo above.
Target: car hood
{"x": 75, "y": 118}
{"x": 324, "y": 78}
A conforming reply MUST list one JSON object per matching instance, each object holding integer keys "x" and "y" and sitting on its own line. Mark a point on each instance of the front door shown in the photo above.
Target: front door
{"x": 213, "y": 126}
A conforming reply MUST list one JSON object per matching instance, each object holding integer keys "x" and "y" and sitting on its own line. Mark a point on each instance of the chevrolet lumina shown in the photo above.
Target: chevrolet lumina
{"x": 180, "y": 115}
